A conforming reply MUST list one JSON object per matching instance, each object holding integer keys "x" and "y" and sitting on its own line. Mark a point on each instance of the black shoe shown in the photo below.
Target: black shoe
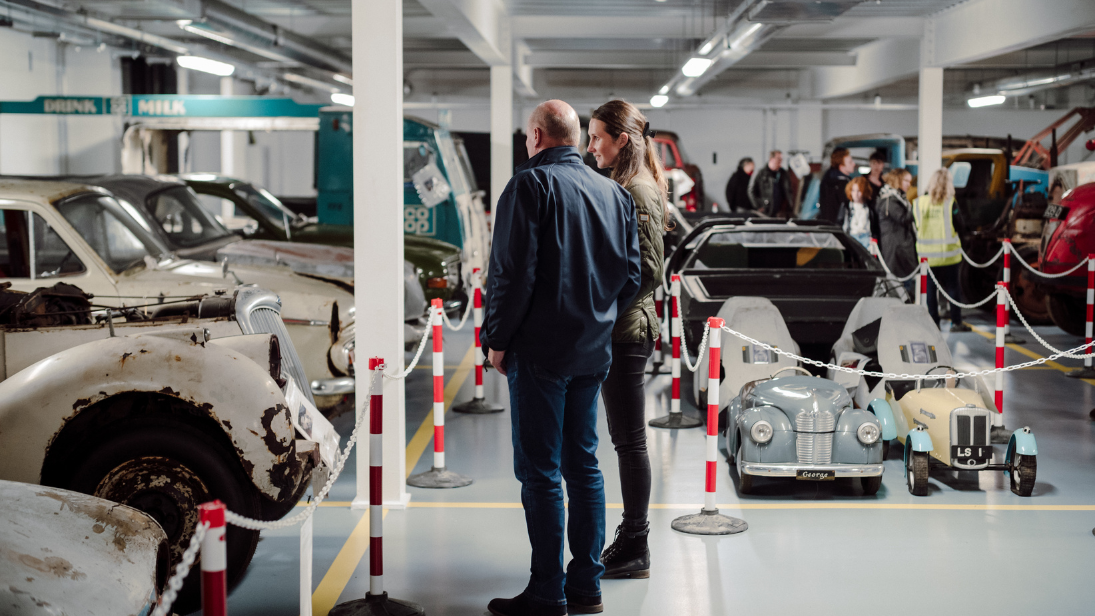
{"x": 999, "y": 435}
{"x": 628, "y": 556}
{"x": 581, "y": 604}
{"x": 524, "y": 606}
{"x": 959, "y": 327}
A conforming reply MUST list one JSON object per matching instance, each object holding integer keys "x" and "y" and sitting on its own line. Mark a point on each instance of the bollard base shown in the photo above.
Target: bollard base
{"x": 675, "y": 421}
{"x": 477, "y": 406}
{"x": 1086, "y": 372}
{"x": 377, "y": 605}
{"x": 1013, "y": 339}
{"x": 709, "y": 523}
{"x": 439, "y": 478}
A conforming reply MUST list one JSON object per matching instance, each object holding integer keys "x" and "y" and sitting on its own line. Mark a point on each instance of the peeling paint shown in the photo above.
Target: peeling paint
{"x": 52, "y": 565}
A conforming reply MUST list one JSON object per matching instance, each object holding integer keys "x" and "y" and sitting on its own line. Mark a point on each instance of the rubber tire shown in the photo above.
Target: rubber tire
{"x": 916, "y": 475}
{"x": 205, "y": 456}
{"x": 1027, "y": 470}
{"x": 745, "y": 482}
{"x": 885, "y": 450}
{"x": 1067, "y": 312}
{"x": 1029, "y": 296}
{"x": 870, "y": 485}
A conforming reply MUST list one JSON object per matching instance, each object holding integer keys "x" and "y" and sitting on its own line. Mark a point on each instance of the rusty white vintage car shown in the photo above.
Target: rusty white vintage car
{"x": 160, "y": 410}
{"x": 84, "y": 236}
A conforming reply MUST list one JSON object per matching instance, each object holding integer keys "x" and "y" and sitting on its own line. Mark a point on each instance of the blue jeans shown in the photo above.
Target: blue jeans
{"x": 554, "y": 419}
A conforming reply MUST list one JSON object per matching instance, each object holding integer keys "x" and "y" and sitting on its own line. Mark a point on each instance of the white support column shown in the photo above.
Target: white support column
{"x": 809, "y": 130}
{"x": 182, "y": 87}
{"x": 378, "y": 231}
{"x": 228, "y": 150}
{"x": 501, "y": 129}
{"x": 930, "y": 138}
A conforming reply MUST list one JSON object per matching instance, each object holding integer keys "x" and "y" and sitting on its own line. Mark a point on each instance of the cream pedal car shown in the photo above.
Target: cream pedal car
{"x": 946, "y": 421}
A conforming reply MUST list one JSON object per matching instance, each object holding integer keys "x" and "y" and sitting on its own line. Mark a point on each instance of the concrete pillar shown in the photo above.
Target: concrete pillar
{"x": 182, "y": 87}
{"x": 501, "y": 130}
{"x": 228, "y": 153}
{"x": 809, "y": 129}
{"x": 930, "y": 131}
{"x": 378, "y": 231}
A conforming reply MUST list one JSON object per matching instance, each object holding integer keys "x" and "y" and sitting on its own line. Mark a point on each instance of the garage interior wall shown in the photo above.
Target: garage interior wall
{"x": 41, "y": 145}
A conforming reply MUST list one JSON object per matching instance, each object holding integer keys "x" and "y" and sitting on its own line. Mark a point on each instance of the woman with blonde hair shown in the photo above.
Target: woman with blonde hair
{"x": 620, "y": 138}
{"x": 937, "y": 241}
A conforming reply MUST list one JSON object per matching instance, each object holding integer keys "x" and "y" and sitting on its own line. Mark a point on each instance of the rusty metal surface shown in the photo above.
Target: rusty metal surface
{"x": 67, "y": 553}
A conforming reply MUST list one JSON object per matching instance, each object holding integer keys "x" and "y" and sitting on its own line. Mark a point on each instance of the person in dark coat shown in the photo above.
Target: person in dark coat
{"x": 564, "y": 264}
{"x": 897, "y": 230}
{"x": 737, "y": 189}
{"x": 877, "y": 161}
{"x": 832, "y": 200}
{"x": 770, "y": 188}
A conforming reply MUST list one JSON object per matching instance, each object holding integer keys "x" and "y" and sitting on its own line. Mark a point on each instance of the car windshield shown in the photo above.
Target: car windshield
{"x": 747, "y": 249}
{"x": 119, "y": 240}
{"x": 465, "y": 165}
{"x": 273, "y": 210}
{"x": 180, "y": 214}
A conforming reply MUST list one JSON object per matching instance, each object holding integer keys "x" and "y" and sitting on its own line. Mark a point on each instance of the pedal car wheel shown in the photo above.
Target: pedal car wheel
{"x": 745, "y": 482}
{"x": 885, "y": 450}
{"x": 916, "y": 473}
{"x": 871, "y": 485}
{"x": 1023, "y": 471}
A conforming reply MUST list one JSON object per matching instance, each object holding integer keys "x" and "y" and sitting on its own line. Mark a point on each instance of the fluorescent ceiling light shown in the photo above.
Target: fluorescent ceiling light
{"x": 664, "y": 89}
{"x": 340, "y": 98}
{"x": 738, "y": 40}
{"x": 207, "y": 33}
{"x": 206, "y": 65}
{"x": 658, "y": 100}
{"x": 696, "y": 67}
{"x": 706, "y": 49}
{"x": 344, "y": 79}
{"x": 985, "y": 101}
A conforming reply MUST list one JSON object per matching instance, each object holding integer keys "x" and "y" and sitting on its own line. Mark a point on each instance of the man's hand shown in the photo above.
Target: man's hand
{"x": 497, "y": 359}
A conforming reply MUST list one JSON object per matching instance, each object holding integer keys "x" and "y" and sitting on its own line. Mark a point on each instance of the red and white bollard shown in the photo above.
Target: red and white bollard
{"x": 675, "y": 418}
{"x": 1008, "y": 337}
{"x": 709, "y": 521}
{"x": 922, "y": 288}
{"x": 1001, "y": 324}
{"x": 1088, "y": 372}
{"x": 478, "y": 404}
{"x": 214, "y": 558}
{"x": 873, "y": 248}
{"x": 438, "y": 476}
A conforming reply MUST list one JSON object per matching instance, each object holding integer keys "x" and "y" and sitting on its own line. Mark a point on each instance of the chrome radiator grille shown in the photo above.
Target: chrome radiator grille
{"x": 268, "y": 321}
{"x": 814, "y": 437}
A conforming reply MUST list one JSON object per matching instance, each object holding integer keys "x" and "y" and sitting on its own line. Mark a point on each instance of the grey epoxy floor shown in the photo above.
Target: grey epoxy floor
{"x": 971, "y": 547}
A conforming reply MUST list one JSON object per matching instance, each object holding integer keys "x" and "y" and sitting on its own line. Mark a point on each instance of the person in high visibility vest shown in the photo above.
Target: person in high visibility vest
{"x": 937, "y": 241}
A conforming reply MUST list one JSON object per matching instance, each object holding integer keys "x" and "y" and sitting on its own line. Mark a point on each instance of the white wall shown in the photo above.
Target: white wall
{"x": 39, "y": 144}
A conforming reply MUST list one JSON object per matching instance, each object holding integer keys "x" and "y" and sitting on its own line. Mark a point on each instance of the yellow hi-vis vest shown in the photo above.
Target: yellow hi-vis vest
{"x": 935, "y": 237}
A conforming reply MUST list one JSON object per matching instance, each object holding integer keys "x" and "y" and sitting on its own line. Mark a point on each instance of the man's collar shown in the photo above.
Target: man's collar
{"x": 564, "y": 154}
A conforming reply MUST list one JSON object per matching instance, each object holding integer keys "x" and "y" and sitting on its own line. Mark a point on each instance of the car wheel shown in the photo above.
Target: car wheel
{"x": 1067, "y": 312}
{"x": 166, "y": 468}
{"x": 916, "y": 473}
{"x": 1029, "y": 296}
{"x": 870, "y": 485}
{"x": 1022, "y": 472}
{"x": 885, "y": 450}
{"x": 745, "y": 482}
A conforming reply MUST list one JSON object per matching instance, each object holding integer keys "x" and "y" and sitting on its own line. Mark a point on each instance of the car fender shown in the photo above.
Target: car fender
{"x": 847, "y": 448}
{"x": 782, "y": 446}
{"x": 220, "y": 382}
{"x": 1022, "y": 442}
{"x": 884, "y": 412}
{"x": 918, "y": 440}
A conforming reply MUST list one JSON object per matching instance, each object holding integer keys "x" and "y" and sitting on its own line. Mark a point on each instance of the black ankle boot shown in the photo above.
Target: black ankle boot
{"x": 628, "y": 556}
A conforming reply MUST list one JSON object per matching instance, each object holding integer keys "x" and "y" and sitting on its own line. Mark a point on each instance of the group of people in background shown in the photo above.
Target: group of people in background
{"x": 872, "y": 206}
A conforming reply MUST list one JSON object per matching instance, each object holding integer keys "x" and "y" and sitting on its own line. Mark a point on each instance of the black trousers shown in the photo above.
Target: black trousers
{"x": 624, "y": 394}
{"x": 948, "y": 277}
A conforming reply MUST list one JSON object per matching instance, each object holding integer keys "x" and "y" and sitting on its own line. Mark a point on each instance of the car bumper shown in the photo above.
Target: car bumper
{"x": 339, "y": 386}
{"x": 791, "y": 469}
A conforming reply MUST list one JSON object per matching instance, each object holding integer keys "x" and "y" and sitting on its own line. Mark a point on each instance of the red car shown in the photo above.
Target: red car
{"x": 673, "y": 158}
{"x": 1067, "y": 238}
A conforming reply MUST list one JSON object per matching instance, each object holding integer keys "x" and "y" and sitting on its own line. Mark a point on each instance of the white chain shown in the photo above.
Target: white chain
{"x": 175, "y": 583}
{"x": 891, "y": 274}
{"x": 684, "y": 349}
{"x": 243, "y": 522}
{"x": 986, "y": 263}
{"x": 417, "y": 354}
{"x": 955, "y": 302}
{"x": 463, "y": 319}
{"x": 1044, "y": 275}
{"x": 1041, "y": 340}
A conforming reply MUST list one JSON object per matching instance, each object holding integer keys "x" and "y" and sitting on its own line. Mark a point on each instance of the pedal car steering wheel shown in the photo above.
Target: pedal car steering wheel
{"x": 949, "y": 383}
{"x": 782, "y": 370}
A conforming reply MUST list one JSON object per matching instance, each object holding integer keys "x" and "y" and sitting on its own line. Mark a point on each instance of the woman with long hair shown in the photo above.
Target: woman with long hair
{"x": 620, "y": 138}
{"x": 937, "y": 240}
{"x": 896, "y": 227}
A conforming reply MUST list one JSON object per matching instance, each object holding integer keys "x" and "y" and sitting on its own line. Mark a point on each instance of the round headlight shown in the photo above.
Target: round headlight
{"x": 868, "y": 433}
{"x": 761, "y": 432}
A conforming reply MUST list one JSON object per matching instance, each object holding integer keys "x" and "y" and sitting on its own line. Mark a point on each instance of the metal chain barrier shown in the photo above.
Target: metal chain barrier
{"x": 417, "y": 354}
{"x": 1043, "y": 274}
{"x": 463, "y": 319}
{"x": 175, "y": 583}
{"x": 890, "y": 274}
{"x": 973, "y": 263}
{"x": 1042, "y": 341}
{"x": 684, "y": 350}
{"x": 955, "y": 302}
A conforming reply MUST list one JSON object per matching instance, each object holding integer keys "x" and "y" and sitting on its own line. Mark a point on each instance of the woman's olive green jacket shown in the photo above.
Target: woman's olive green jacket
{"x": 639, "y": 322}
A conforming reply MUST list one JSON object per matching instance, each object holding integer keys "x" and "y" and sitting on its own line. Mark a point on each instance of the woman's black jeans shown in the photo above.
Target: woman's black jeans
{"x": 624, "y": 393}
{"x": 948, "y": 277}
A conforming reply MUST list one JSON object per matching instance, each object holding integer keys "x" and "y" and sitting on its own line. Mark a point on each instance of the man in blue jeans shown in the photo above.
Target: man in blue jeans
{"x": 564, "y": 262}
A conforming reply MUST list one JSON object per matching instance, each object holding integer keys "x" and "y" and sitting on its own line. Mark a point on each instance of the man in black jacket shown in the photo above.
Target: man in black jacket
{"x": 832, "y": 201}
{"x": 737, "y": 188}
{"x": 770, "y": 189}
{"x": 564, "y": 263}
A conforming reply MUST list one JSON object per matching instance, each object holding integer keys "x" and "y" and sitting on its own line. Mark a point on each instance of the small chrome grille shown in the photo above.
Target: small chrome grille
{"x": 970, "y": 427}
{"x": 258, "y": 312}
{"x": 814, "y": 436}
{"x": 815, "y": 421}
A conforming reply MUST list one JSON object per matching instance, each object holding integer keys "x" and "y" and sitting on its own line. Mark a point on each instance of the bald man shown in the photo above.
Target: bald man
{"x": 564, "y": 263}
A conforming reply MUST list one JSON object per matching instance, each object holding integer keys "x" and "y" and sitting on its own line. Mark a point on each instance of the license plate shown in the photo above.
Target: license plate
{"x": 1055, "y": 210}
{"x": 965, "y": 454}
{"x": 811, "y": 475}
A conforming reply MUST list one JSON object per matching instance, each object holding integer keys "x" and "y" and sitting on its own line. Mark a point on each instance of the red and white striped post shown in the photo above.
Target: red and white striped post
{"x": 214, "y": 558}
{"x": 1008, "y": 337}
{"x": 873, "y": 248}
{"x": 1088, "y": 372}
{"x": 922, "y": 288}
{"x": 659, "y": 308}
{"x": 438, "y": 476}
{"x": 1001, "y": 323}
{"x": 478, "y": 404}
{"x": 675, "y": 419}
{"x": 709, "y": 521}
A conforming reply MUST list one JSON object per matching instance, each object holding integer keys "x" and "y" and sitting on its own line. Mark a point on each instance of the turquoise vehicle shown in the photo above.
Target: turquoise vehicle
{"x": 440, "y": 198}
{"x": 861, "y": 147}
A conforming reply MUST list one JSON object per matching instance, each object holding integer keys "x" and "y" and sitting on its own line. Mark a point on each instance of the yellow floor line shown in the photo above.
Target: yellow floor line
{"x": 349, "y": 557}
{"x": 770, "y": 506}
{"x": 1031, "y": 354}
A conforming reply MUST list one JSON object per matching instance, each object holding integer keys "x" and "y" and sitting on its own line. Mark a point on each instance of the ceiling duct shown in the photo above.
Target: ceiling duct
{"x": 1029, "y": 83}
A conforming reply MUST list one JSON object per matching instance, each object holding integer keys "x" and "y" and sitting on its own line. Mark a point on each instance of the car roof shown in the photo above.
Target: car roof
{"x": 207, "y": 177}
{"x": 34, "y": 190}
{"x": 985, "y": 151}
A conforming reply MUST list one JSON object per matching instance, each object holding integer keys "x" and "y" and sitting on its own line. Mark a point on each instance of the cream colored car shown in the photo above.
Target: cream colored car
{"x": 82, "y": 235}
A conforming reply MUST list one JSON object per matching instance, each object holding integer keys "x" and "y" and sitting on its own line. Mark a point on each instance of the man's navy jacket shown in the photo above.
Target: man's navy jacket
{"x": 564, "y": 263}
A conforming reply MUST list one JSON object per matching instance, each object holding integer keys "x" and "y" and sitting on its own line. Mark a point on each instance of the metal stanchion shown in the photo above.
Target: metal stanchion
{"x": 1001, "y": 323}
{"x": 675, "y": 419}
{"x": 438, "y": 476}
{"x": 709, "y": 521}
{"x": 1008, "y": 336}
{"x": 1087, "y": 372}
{"x": 214, "y": 563}
{"x": 922, "y": 288}
{"x": 478, "y": 404}
{"x": 376, "y": 601}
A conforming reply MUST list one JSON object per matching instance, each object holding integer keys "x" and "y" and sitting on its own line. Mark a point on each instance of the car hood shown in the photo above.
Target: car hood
{"x": 67, "y": 553}
{"x": 795, "y": 394}
{"x": 943, "y": 399}
{"x": 315, "y": 259}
